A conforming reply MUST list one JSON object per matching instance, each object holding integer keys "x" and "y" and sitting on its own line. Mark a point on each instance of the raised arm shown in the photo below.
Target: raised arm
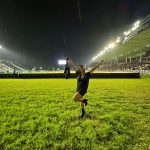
{"x": 100, "y": 63}
{"x": 73, "y": 65}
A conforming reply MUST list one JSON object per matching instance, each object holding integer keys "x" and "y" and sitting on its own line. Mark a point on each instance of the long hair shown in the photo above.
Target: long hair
{"x": 81, "y": 67}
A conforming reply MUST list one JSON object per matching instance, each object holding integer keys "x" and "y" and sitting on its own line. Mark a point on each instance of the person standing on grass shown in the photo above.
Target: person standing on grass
{"x": 82, "y": 83}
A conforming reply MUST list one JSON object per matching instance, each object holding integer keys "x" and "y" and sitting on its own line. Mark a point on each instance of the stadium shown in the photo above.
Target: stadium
{"x": 38, "y": 111}
{"x": 130, "y": 52}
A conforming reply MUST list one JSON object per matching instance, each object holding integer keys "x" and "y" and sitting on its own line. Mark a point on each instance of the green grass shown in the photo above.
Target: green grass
{"x": 40, "y": 114}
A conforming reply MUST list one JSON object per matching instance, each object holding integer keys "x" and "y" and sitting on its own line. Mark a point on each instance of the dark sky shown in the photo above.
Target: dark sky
{"x": 42, "y": 31}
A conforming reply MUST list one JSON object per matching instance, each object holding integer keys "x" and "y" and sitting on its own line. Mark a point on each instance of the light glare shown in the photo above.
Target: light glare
{"x": 118, "y": 40}
{"x": 94, "y": 58}
{"x": 112, "y": 45}
{"x": 62, "y": 62}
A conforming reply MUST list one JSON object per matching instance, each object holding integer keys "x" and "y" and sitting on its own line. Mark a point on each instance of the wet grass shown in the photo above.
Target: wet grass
{"x": 40, "y": 114}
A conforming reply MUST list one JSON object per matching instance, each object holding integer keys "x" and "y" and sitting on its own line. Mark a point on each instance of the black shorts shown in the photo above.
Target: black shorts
{"x": 82, "y": 92}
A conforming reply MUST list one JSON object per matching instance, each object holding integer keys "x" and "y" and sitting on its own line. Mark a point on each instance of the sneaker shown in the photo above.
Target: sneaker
{"x": 85, "y": 101}
{"x": 83, "y": 113}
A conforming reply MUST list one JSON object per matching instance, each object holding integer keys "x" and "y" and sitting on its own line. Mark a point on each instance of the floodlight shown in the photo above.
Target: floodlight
{"x": 137, "y": 23}
{"x": 111, "y": 45}
{"x": 99, "y": 54}
{"x": 128, "y": 32}
{"x": 94, "y": 58}
{"x": 134, "y": 28}
{"x": 102, "y": 52}
{"x": 0, "y": 46}
{"x": 125, "y": 33}
{"x": 62, "y": 62}
{"x": 118, "y": 40}
{"x": 106, "y": 48}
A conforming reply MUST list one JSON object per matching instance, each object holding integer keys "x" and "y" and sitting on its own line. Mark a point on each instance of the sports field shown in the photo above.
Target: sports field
{"x": 40, "y": 114}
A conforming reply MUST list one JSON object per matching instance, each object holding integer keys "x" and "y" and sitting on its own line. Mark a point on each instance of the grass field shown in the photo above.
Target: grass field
{"x": 40, "y": 114}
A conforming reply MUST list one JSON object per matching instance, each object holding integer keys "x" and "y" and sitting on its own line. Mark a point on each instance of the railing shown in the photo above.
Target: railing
{"x": 12, "y": 65}
{"x": 19, "y": 68}
{"x": 4, "y": 68}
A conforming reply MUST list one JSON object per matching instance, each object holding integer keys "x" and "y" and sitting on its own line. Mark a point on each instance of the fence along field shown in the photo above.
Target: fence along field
{"x": 40, "y": 114}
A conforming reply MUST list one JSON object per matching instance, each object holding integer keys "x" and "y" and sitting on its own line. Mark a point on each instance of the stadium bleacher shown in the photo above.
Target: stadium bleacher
{"x": 126, "y": 64}
{"x": 4, "y": 68}
{"x": 133, "y": 54}
{"x": 10, "y": 67}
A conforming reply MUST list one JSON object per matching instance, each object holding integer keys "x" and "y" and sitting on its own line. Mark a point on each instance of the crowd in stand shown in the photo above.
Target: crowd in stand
{"x": 136, "y": 64}
{"x": 133, "y": 64}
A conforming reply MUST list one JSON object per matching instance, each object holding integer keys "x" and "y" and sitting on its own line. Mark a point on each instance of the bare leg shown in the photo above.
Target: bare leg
{"x": 82, "y": 104}
{"x": 78, "y": 98}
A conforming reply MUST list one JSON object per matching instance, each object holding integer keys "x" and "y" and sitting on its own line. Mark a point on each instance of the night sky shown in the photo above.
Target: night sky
{"x": 43, "y": 31}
